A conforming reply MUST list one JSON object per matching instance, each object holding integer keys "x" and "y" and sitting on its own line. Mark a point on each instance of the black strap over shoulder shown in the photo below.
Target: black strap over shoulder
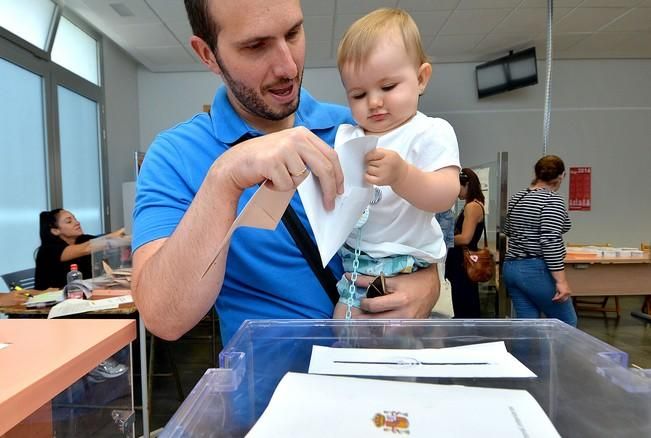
{"x": 311, "y": 253}
{"x": 307, "y": 246}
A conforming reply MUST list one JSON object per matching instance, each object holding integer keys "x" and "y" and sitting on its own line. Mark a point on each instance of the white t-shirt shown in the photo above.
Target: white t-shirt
{"x": 394, "y": 226}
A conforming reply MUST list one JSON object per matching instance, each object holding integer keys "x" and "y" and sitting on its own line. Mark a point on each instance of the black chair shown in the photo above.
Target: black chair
{"x": 20, "y": 279}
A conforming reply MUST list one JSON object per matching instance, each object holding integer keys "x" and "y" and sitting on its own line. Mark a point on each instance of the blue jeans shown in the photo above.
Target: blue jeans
{"x": 446, "y": 222}
{"x": 531, "y": 287}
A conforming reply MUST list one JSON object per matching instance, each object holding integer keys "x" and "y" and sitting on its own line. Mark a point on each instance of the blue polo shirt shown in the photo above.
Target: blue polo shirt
{"x": 266, "y": 274}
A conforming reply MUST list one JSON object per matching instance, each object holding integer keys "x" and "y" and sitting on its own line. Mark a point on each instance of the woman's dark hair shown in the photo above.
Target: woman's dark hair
{"x": 202, "y": 23}
{"x": 473, "y": 186}
{"x": 48, "y": 220}
{"x": 548, "y": 168}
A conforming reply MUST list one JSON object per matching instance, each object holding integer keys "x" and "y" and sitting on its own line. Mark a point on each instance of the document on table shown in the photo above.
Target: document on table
{"x": 331, "y": 228}
{"x": 74, "y": 306}
{"x": 353, "y": 407}
{"x": 45, "y": 299}
{"x": 487, "y": 360}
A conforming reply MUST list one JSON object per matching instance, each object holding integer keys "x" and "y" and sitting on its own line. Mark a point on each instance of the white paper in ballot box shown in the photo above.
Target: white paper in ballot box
{"x": 308, "y": 405}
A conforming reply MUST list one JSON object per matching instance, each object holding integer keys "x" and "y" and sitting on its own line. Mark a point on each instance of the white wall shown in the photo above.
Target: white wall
{"x": 601, "y": 117}
{"x": 170, "y": 98}
{"x": 122, "y": 126}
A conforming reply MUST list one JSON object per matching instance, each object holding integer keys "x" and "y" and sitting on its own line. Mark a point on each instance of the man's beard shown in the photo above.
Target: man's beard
{"x": 252, "y": 101}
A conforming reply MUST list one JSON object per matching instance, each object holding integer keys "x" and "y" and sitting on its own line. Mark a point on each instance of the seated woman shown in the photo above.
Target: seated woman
{"x": 63, "y": 243}
{"x": 467, "y": 232}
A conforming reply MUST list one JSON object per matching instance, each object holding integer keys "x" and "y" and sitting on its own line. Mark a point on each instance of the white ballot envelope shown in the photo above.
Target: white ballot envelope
{"x": 488, "y": 360}
{"x": 264, "y": 210}
{"x": 331, "y": 228}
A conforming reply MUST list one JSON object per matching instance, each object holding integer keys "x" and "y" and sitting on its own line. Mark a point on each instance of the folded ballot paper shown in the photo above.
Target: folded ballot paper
{"x": 331, "y": 228}
{"x": 354, "y": 407}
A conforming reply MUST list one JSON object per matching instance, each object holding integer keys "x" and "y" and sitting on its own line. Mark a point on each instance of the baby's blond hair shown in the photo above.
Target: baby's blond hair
{"x": 362, "y": 36}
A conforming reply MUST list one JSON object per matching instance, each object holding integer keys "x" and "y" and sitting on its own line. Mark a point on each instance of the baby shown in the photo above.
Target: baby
{"x": 415, "y": 167}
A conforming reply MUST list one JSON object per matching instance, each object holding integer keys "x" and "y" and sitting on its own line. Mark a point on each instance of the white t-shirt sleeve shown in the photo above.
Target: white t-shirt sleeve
{"x": 435, "y": 146}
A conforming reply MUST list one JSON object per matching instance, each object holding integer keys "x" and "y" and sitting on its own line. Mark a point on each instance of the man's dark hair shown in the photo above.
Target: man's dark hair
{"x": 202, "y": 23}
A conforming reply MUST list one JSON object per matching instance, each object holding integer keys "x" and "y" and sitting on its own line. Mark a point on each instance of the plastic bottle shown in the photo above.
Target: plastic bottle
{"x": 73, "y": 291}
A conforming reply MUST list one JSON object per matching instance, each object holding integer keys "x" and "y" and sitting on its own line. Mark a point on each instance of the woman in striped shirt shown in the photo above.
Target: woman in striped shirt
{"x": 534, "y": 264}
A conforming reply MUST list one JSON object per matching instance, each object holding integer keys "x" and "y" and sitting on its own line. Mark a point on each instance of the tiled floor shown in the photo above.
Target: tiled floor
{"x": 192, "y": 357}
{"x": 629, "y": 334}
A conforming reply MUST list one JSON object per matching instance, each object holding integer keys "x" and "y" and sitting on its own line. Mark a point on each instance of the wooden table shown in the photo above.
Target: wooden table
{"x": 616, "y": 276}
{"x": 44, "y": 357}
{"x": 12, "y": 302}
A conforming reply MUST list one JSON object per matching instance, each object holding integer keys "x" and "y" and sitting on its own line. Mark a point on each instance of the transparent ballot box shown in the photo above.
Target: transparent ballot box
{"x": 583, "y": 385}
{"x": 76, "y": 384}
{"x": 111, "y": 261}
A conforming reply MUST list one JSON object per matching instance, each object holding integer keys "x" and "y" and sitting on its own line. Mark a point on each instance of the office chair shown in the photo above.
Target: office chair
{"x": 20, "y": 279}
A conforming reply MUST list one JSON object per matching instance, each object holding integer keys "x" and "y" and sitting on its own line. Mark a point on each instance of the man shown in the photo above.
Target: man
{"x": 198, "y": 175}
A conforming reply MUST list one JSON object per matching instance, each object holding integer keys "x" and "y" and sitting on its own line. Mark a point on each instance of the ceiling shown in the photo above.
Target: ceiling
{"x": 156, "y": 32}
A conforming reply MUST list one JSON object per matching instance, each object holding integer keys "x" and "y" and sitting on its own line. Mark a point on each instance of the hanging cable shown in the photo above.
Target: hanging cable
{"x": 548, "y": 79}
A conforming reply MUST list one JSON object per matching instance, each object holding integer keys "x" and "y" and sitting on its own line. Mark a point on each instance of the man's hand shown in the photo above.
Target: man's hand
{"x": 169, "y": 287}
{"x": 282, "y": 158}
{"x": 409, "y": 295}
{"x": 384, "y": 167}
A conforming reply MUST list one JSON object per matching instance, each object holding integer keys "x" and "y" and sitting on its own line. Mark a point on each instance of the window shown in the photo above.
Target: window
{"x": 23, "y": 183}
{"x": 29, "y": 19}
{"x": 51, "y": 146}
{"x": 76, "y": 51}
{"x": 81, "y": 173}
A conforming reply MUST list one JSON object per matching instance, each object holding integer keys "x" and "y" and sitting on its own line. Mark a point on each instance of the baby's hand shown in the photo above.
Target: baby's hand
{"x": 384, "y": 167}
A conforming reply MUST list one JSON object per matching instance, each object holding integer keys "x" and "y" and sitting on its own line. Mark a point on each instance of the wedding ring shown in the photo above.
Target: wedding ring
{"x": 301, "y": 173}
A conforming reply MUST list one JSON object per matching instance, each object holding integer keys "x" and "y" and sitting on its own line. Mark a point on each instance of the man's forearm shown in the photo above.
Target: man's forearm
{"x": 168, "y": 289}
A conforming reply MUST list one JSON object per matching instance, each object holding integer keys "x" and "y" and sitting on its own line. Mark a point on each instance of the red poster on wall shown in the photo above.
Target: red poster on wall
{"x": 580, "y": 188}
